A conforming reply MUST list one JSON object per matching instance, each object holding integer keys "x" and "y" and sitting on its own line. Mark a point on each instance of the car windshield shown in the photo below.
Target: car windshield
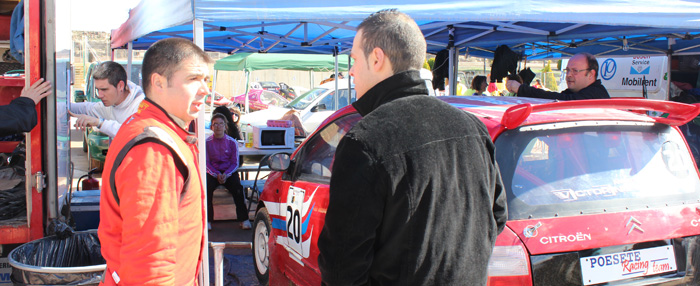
{"x": 268, "y": 84}
{"x": 554, "y": 170}
{"x": 271, "y": 98}
{"x": 306, "y": 99}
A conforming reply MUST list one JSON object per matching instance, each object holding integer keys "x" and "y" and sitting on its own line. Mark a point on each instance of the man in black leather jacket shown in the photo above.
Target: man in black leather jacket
{"x": 581, "y": 78}
{"x": 416, "y": 197}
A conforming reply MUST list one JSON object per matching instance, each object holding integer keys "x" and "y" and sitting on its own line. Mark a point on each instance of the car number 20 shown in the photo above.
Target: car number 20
{"x": 295, "y": 203}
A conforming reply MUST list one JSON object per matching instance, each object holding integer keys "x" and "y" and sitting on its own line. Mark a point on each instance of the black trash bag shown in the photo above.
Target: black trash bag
{"x": 59, "y": 228}
{"x": 75, "y": 260}
{"x": 13, "y": 202}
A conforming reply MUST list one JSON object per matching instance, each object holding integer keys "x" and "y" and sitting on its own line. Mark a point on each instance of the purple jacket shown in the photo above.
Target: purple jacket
{"x": 222, "y": 155}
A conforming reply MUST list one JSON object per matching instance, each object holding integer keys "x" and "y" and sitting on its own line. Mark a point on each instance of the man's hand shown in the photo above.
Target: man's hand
{"x": 221, "y": 178}
{"x": 85, "y": 121}
{"x": 512, "y": 86}
{"x": 37, "y": 91}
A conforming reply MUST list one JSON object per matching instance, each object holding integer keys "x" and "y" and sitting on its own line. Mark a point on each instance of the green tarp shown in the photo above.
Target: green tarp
{"x": 303, "y": 62}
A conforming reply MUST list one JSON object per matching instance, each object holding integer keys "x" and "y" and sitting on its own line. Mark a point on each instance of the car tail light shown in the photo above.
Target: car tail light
{"x": 509, "y": 263}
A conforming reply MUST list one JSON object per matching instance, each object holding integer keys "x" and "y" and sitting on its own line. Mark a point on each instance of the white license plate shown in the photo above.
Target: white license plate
{"x": 628, "y": 264}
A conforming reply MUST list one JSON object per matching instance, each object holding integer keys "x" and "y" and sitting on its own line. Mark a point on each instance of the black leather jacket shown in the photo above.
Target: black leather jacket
{"x": 416, "y": 197}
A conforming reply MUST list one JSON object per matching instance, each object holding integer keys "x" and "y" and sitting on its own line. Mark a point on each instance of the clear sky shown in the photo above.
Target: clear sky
{"x": 99, "y": 15}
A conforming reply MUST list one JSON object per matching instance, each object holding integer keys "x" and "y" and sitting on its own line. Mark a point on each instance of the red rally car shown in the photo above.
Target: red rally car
{"x": 600, "y": 192}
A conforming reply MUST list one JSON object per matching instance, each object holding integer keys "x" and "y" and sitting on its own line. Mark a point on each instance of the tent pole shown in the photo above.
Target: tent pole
{"x": 668, "y": 72}
{"x": 247, "y": 85}
{"x": 337, "y": 78}
{"x": 198, "y": 38}
{"x": 85, "y": 56}
{"x": 350, "y": 94}
{"x": 311, "y": 79}
{"x": 129, "y": 49}
{"x": 213, "y": 88}
{"x": 452, "y": 67}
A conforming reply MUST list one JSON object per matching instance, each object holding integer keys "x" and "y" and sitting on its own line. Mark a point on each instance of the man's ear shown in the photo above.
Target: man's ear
{"x": 376, "y": 59}
{"x": 380, "y": 64}
{"x": 120, "y": 86}
{"x": 158, "y": 81}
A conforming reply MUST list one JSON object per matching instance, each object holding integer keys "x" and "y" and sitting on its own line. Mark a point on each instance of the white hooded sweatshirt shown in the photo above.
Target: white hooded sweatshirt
{"x": 114, "y": 115}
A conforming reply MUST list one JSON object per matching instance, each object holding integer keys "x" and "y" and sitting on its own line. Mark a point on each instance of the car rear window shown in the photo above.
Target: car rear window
{"x": 593, "y": 167}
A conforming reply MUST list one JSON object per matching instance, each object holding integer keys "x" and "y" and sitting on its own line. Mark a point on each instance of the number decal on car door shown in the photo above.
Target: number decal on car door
{"x": 295, "y": 204}
{"x": 293, "y": 224}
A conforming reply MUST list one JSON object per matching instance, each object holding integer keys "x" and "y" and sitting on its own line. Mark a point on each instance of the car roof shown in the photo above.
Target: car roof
{"x": 342, "y": 84}
{"x": 500, "y": 113}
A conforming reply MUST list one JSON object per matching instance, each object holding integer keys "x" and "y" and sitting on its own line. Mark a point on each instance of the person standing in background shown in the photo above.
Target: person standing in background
{"x": 581, "y": 78}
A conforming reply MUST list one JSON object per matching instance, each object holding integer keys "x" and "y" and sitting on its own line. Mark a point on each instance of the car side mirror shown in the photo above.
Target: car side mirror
{"x": 279, "y": 161}
{"x": 319, "y": 107}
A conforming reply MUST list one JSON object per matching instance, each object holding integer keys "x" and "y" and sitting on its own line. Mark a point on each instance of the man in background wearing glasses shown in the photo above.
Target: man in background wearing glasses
{"x": 581, "y": 78}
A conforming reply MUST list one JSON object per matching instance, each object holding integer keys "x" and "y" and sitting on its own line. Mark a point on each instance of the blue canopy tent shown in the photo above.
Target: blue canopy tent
{"x": 547, "y": 28}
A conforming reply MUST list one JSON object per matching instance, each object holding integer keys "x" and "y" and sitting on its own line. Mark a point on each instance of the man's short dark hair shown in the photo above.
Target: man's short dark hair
{"x": 113, "y": 72}
{"x": 164, "y": 58}
{"x": 592, "y": 62}
{"x": 397, "y": 35}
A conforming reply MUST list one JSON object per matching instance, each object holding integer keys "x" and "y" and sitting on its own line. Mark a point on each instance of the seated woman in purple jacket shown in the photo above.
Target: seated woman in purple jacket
{"x": 222, "y": 162}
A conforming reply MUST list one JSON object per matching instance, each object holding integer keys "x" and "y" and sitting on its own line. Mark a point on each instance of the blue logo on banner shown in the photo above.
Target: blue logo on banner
{"x": 608, "y": 69}
{"x": 644, "y": 71}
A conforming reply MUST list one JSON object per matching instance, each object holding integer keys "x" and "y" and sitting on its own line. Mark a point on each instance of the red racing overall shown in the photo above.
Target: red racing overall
{"x": 151, "y": 206}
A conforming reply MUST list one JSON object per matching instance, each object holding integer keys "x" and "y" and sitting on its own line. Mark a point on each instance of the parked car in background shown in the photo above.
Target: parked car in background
{"x": 219, "y": 100}
{"x": 314, "y": 106}
{"x": 287, "y": 91}
{"x": 599, "y": 193}
{"x": 266, "y": 85}
{"x": 96, "y": 143}
{"x": 259, "y": 99}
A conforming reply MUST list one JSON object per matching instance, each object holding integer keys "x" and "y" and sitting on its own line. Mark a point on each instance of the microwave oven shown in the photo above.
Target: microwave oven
{"x": 273, "y": 137}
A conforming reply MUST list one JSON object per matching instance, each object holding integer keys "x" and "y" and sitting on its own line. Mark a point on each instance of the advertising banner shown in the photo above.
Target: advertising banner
{"x": 631, "y": 73}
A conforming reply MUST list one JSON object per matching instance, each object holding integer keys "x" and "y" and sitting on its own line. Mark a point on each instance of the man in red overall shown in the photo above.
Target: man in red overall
{"x": 151, "y": 206}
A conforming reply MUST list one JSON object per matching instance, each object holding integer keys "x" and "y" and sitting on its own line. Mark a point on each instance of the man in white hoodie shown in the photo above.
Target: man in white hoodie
{"x": 120, "y": 99}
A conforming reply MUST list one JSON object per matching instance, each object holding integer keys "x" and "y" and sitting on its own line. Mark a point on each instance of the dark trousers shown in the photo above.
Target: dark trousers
{"x": 233, "y": 184}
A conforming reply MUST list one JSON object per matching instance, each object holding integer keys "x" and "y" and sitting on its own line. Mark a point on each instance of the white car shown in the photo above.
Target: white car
{"x": 314, "y": 106}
